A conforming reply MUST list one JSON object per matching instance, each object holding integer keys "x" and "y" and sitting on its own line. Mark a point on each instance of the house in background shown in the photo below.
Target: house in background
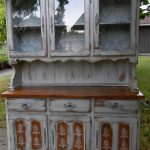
{"x": 144, "y": 36}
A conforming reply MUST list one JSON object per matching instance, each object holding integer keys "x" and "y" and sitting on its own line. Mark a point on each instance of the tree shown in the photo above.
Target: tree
{"x": 2, "y": 23}
{"x": 144, "y": 8}
{"x": 25, "y": 6}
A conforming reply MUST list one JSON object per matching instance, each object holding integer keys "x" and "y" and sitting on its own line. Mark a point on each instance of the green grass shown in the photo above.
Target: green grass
{"x": 3, "y": 55}
{"x": 4, "y": 81}
{"x": 3, "y": 58}
{"x": 143, "y": 75}
{"x": 145, "y": 128}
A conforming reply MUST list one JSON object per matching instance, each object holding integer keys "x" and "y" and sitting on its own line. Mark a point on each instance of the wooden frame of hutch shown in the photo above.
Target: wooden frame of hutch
{"x": 74, "y": 84}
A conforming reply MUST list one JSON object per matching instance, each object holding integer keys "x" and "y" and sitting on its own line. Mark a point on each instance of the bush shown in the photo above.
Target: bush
{"x": 2, "y": 23}
{"x": 3, "y": 59}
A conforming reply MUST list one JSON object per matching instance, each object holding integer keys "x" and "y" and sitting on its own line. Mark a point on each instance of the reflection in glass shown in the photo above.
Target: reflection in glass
{"x": 69, "y": 25}
{"x": 111, "y": 11}
{"x": 114, "y": 37}
{"x": 27, "y": 25}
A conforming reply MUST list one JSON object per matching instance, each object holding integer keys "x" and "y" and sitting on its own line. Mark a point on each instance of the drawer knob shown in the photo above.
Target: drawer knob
{"x": 70, "y": 106}
{"x": 26, "y": 106}
{"x": 117, "y": 106}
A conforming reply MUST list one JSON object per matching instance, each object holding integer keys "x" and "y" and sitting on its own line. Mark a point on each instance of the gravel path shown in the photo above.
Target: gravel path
{"x": 5, "y": 73}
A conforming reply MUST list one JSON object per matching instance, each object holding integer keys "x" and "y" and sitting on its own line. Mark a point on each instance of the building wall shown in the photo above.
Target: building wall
{"x": 144, "y": 39}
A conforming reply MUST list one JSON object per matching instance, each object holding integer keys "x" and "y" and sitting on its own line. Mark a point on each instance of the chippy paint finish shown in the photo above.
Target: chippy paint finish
{"x": 109, "y": 58}
{"x": 70, "y": 126}
{"x": 100, "y": 26}
{"x": 70, "y": 73}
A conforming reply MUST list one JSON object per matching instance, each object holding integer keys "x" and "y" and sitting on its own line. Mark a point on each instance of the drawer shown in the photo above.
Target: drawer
{"x": 120, "y": 106}
{"x": 72, "y": 105}
{"x": 26, "y": 104}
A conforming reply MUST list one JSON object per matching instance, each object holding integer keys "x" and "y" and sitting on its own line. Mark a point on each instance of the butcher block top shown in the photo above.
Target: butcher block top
{"x": 103, "y": 92}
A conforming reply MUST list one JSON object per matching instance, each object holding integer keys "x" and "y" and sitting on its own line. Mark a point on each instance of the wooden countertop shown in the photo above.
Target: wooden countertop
{"x": 103, "y": 92}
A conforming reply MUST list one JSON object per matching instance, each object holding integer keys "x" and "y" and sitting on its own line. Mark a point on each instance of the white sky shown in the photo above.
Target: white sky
{"x": 73, "y": 11}
{"x": 144, "y": 6}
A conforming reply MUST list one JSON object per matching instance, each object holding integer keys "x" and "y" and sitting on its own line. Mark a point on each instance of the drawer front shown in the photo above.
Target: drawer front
{"x": 72, "y": 105}
{"x": 120, "y": 106}
{"x": 26, "y": 104}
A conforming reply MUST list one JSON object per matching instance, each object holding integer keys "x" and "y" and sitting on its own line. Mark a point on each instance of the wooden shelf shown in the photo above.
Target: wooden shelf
{"x": 103, "y": 92}
{"x": 37, "y": 26}
{"x": 114, "y": 23}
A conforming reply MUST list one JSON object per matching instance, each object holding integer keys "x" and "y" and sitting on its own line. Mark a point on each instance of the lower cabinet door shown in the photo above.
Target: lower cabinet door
{"x": 114, "y": 133}
{"x": 70, "y": 133}
{"x": 28, "y": 132}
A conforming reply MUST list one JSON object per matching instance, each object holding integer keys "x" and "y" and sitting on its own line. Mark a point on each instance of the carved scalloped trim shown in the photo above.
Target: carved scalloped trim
{"x": 131, "y": 59}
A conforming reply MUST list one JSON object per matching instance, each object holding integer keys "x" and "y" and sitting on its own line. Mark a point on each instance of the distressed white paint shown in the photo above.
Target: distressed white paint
{"x": 88, "y": 112}
{"x": 90, "y": 67}
{"x": 76, "y": 73}
{"x": 71, "y": 105}
{"x": 28, "y": 119}
{"x": 26, "y": 105}
{"x": 69, "y": 120}
{"x": 111, "y": 106}
{"x": 114, "y": 122}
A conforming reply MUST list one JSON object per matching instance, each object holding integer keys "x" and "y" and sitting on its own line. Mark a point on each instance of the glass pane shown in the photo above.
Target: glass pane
{"x": 27, "y": 25}
{"x": 69, "y": 25}
{"x": 115, "y": 11}
{"x": 115, "y": 19}
{"x": 114, "y": 37}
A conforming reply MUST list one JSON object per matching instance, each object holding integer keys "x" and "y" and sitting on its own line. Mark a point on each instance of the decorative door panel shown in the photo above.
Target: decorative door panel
{"x": 69, "y": 27}
{"x": 115, "y": 133}
{"x": 28, "y": 132}
{"x": 27, "y": 30}
{"x": 78, "y": 142}
{"x": 124, "y": 136}
{"x": 69, "y": 133}
{"x": 62, "y": 136}
{"x": 20, "y": 131}
{"x": 114, "y": 27}
{"x": 36, "y": 134}
{"x": 106, "y": 136}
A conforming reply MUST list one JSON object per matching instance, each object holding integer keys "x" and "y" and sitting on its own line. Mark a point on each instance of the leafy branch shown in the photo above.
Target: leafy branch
{"x": 144, "y": 9}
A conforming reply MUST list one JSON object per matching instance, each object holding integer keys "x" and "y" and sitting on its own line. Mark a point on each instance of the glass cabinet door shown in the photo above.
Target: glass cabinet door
{"x": 114, "y": 27}
{"x": 28, "y": 28}
{"x": 69, "y": 27}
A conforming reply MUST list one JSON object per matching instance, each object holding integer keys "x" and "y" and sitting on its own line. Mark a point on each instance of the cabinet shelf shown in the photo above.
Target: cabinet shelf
{"x": 114, "y": 23}
{"x": 38, "y": 26}
{"x": 103, "y": 92}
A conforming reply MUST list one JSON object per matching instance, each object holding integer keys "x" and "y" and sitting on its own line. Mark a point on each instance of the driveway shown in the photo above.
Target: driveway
{"x": 6, "y": 72}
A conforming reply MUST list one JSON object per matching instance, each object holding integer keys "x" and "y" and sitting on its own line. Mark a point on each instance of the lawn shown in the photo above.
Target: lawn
{"x": 143, "y": 76}
{"x": 4, "y": 81}
{"x": 3, "y": 55}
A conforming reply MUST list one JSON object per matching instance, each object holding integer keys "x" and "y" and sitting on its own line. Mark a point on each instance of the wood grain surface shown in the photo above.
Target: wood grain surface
{"x": 104, "y": 93}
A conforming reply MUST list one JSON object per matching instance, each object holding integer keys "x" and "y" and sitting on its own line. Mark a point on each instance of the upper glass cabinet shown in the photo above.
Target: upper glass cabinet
{"x": 69, "y": 27}
{"x": 72, "y": 27}
{"x": 114, "y": 32}
{"x": 28, "y": 28}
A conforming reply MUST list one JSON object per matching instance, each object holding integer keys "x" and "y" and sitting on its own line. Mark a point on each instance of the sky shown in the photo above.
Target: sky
{"x": 73, "y": 11}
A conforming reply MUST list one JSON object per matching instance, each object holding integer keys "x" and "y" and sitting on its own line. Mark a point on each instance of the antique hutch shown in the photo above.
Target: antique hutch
{"x": 74, "y": 85}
